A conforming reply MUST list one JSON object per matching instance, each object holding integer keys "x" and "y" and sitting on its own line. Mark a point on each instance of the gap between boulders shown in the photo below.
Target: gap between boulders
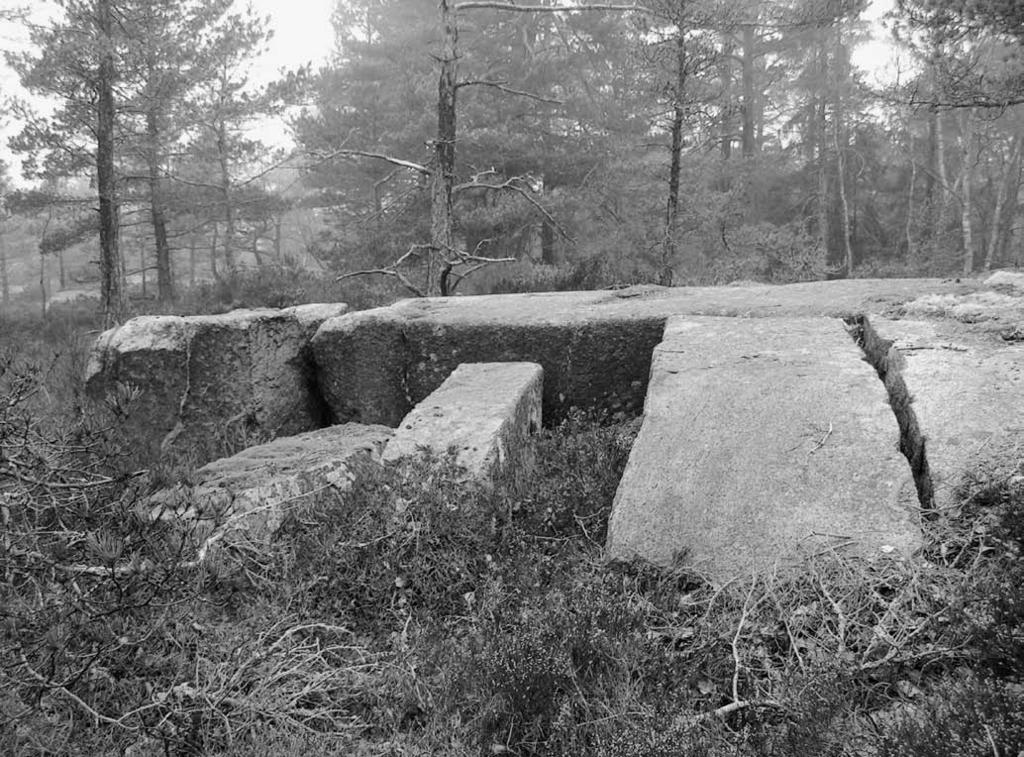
{"x": 888, "y": 363}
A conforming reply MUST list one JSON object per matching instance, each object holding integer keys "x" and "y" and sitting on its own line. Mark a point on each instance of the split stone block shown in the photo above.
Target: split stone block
{"x": 960, "y": 394}
{"x": 764, "y": 441}
{"x": 484, "y": 412}
{"x": 204, "y": 382}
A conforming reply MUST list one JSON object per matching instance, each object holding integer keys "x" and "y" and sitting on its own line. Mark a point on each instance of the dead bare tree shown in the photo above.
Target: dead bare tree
{"x": 444, "y": 262}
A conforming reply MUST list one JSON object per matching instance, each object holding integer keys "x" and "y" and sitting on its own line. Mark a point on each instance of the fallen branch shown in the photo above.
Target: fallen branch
{"x": 821, "y": 442}
{"x": 689, "y": 721}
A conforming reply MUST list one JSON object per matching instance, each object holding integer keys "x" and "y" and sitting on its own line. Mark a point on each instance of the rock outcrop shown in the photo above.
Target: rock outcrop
{"x": 765, "y": 436}
{"x": 764, "y": 441}
{"x": 484, "y": 414}
{"x": 207, "y": 383}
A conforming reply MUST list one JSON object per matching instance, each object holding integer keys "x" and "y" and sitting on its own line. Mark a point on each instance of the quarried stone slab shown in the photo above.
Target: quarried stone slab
{"x": 206, "y": 381}
{"x": 252, "y": 491}
{"x": 763, "y": 442}
{"x": 961, "y": 390}
{"x": 485, "y": 413}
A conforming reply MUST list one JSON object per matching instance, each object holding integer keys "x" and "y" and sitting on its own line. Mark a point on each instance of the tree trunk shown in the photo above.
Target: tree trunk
{"x": 441, "y": 234}
{"x": 112, "y": 288}
{"x": 5, "y": 283}
{"x": 966, "y": 181}
{"x": 726, "y": 125}
{"x": 749, "y": 96}
{"x": 823, "y": 198}
{"x": 1010, "y": 218}
{"x": 668, "y": 245}
{"x": 226, "y": 198}
{"x": 278, "y": 222}
{"x": 164, "y": 281}
{"x": 840, "y": 148}
{"x": 142, "y": 269}
{"x": 43, "y": 288}
{"x": 192, "y": 261}
{"x": 996, "y": 234}
{"x": 909, "y": 226}
{"x": 213, "y": 253}
{"x": 548, "y": 255}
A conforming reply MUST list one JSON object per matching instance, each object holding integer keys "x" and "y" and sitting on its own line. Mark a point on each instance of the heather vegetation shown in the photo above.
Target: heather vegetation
{"x": 417, "y": 614}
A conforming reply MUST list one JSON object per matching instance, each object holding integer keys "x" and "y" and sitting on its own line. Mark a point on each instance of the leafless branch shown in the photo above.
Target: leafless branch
{"x": 385, "y": 272}
{"x": 515, "y": 185}
{"x": 505, "y": 88}
{"x": 500, "y": 6}
{"x": 418, "y": 167}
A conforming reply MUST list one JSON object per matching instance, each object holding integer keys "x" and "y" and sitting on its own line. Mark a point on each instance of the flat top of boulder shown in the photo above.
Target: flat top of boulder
{"x": 818, "y": 298}
{"x": 470, "y": 411}
{"x": 296, "y": 453}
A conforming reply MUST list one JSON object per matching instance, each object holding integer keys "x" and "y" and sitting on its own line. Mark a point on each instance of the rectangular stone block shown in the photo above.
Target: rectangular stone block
{"x": 484, "y": 412}
{"x": 763, "y": 442}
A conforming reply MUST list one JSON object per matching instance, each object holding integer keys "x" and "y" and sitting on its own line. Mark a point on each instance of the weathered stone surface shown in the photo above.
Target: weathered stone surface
{"x": 252, "y": 491}
{"x": 595, "y": 347}
{"x": 961, "y": 390}
{"x": 1014, "y": 279}
{"x": 205, "y": 380}
{"x": 484, "y": 412}
{"x": 763, "y": 441}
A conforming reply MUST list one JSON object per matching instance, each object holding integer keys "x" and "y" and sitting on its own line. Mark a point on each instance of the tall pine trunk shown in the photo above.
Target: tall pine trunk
{"x": 5, "y": 282}
{"x": 666, "y": 274}
{"x": 749, "y": 96}
{"x": 442, "y": 241}
{"x": 226, "y": 196}
{"x": 966, "y": 181}
{"x": 112, "y": 288}
{"x": 1002, "y": 189}
{"x": 839, "y": 66}
{"x": 164, "y": 280}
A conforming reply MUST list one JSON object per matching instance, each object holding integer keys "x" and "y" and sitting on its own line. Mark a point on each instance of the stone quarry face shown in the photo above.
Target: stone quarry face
{"x": 778, "y": 421}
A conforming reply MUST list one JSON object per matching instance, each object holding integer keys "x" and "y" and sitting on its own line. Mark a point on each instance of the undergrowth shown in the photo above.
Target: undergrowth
{"x": 419, "y": 614}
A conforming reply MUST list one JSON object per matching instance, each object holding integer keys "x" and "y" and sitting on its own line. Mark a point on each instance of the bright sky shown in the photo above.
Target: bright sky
{"x": 302, "y": 34}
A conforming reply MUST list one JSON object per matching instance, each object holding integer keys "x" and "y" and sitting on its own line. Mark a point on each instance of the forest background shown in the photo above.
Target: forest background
{"x": 681, "y": 142}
